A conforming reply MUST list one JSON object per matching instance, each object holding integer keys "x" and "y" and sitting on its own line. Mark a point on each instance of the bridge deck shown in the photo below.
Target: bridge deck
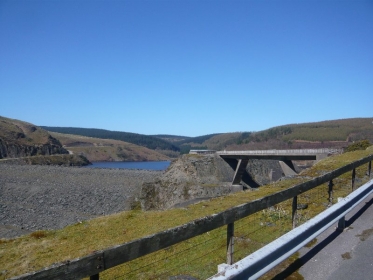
{"x": 296, "y": 154}
{"x": 274, "y": 157}
{"x": 239, "y": 159}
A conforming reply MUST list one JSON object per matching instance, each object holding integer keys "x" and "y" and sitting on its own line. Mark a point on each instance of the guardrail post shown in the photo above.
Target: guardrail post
{"x": 294, "y": 211}
{"x": 330, "y": 192}
{"x": 341, "y": 224}
{"x": 370, "y": 169}
{"x": 353, "y": 179}
{"x": 94, "y": 277}
{"x": 230, "y": 243}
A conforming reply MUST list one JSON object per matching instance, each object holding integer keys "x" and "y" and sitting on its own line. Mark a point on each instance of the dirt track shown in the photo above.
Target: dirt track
{"x": 48, "y": 197}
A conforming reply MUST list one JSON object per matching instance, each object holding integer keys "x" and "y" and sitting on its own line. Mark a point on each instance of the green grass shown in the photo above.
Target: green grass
{"x": 198, "y": 256}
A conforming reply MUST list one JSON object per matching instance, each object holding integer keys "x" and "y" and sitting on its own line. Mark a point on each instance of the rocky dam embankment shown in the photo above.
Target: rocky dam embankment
{"x": 34, "y": 197}
{"x": 194, "y": 177}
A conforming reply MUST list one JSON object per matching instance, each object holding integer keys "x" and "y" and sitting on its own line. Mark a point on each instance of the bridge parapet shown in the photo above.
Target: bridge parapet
{"x": 283, "y": 152}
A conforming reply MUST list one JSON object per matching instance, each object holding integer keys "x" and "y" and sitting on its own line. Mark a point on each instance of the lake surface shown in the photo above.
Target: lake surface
{"x": 147, "y": 165}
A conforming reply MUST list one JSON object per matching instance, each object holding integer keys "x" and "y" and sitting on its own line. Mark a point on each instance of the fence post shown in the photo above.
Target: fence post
{"x": 370, "y": 169}
{"x": 230, "y": 243}
{"x": 94, "y": 277}
{"x": 294, "y": 211}
{"x": 330, "y": 192}
{"x": 353, "y": 179}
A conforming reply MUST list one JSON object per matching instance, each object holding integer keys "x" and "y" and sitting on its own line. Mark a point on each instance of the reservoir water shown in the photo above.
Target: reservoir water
{"x": 146, "y": 165}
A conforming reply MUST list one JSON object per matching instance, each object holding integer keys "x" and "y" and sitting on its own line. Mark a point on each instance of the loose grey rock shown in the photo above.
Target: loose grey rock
{"x": 36, "y": 197}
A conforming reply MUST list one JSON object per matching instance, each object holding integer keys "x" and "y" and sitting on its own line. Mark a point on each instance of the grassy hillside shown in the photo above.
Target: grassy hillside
{"x": 150, "y": 142}
{"x": 24, "y": 133}
{"x": 171, "y": 138}
{"x": 347, "y": 130}
{"x": 95, "y": 149}
{"x": 21, "y": 139}
{"x": 26, "y": 136}
{"x": 215, "y": 141}
{"x": 334, "y": 133}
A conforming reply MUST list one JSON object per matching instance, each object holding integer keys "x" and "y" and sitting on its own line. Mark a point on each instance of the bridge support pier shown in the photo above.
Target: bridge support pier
{"x": 240, "y": 169}
{"x": 288, "y": 168}
{"x": 240, "y": 174}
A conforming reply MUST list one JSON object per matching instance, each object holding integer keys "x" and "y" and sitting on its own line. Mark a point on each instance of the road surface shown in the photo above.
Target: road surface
{"x": 340, "y": 255}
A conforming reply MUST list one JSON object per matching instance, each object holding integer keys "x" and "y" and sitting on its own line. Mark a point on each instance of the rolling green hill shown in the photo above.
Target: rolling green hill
{"x": 19, "y": 139}
{"x": 332, "y": 133}
{"x": 150, "y": 142}
{"x": 328, "y": 134}
{"x": 96, "y": 149}
{"x": 24, "y": 133}
{"x": 22, "y": 139}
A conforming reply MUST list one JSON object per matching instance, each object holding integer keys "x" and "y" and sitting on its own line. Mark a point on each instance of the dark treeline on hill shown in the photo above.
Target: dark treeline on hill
{"x": 198, "y": 139}
{"x": 194, "y": 143}
{"x": 168, "y": 136}
{"x": 336, "y": 130}
{"x": 150, "y": 142}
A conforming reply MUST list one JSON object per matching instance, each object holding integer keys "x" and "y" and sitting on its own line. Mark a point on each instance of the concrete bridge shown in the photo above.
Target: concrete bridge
{"x": 238, "y": 160}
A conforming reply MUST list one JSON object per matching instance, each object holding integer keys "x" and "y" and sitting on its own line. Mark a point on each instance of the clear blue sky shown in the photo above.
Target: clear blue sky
{"x": 185, "y": 67}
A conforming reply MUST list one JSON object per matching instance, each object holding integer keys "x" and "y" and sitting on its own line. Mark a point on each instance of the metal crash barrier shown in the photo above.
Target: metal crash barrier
{"x": 266, "y": 258}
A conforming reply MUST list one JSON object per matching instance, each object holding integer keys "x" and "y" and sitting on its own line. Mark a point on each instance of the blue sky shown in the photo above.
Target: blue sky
{"x": 185, "y": 67}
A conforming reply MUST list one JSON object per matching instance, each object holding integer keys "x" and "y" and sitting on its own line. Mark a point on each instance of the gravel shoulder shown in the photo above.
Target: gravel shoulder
{"x": 36, "y": 197}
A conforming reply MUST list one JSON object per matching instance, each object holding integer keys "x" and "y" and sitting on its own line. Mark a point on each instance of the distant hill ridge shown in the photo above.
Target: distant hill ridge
{"x": 22, "y": 139}
{"x": 150, "y": 142}
{"x": 330, "y": 133}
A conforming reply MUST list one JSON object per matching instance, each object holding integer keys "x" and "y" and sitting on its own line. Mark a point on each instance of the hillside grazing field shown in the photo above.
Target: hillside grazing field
{"x": 23, "y": 133}
{"x": 325, "y": 134}
{"x": 95, "y": 149}
{"x": 150, "y": 142}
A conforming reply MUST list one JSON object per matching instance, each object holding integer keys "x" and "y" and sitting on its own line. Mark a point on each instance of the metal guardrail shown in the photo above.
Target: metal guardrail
{"x": 266, "y": 258}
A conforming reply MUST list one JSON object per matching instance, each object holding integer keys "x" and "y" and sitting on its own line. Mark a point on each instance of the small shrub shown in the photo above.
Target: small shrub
{"x": 39, "y": 234}
{"x": 135, "y": 205}
{"x": 4, "y": 241}
{"x": 360, "y": 145}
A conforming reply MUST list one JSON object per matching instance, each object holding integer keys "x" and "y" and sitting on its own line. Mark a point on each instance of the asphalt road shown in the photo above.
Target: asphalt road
{"x": 340, "y": 255}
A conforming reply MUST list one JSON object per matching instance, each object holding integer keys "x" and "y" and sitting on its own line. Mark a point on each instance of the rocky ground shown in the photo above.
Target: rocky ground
{"x": 36, "y": 197}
